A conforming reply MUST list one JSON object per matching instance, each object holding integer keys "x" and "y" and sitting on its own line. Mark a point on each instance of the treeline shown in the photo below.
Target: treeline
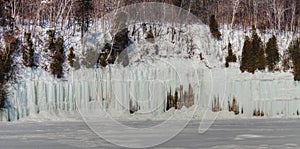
{"x": 264, "y": 14}
{"x": 257, "y": 56}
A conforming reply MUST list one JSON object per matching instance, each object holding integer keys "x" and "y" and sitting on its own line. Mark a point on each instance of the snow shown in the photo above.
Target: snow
{"x": 155, "y": 68}
{"x": 52, "y": 109}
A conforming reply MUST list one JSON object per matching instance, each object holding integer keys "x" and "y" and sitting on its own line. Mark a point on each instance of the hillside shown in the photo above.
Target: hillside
{"x": 127, "y": 66}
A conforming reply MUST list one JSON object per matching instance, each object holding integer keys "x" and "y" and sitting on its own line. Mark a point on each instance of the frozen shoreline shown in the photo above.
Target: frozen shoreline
{"x": 254, "y": 133}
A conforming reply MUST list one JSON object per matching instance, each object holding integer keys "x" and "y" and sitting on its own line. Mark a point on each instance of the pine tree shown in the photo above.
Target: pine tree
{"x": 121, "y": 41}
{"x": 28, "y": 51}
{"x": 231, "y": 57}
{"x": 110, "y": 52}
{"x": 50, "y": 41}
{"x": 247, "y": 62}
{"x": 286, "y": 61}
{"x": 294, "y": 49}
{"x": 83, "y": 12}
{"x": 121, "y": 38}
{"x": 214, "y": 27}
{"x": 102, "y": 60}
{"x": 58, "y": 58}
{"x": 272, "y": 53}
{"x": 49, "y": 49}
{"x": 258, "y": 51}
{"x": 71, "y": 57}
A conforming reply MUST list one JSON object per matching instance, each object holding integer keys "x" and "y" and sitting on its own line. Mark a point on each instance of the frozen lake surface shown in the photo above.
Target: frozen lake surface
{"x": 252, "y": 133}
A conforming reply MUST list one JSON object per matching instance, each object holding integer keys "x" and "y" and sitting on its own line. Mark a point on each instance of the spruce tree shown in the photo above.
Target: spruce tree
{"x": 58, "y": 58}
{"x": 111, "y": 51}
{"x": 247, "y": 62}
{"x": 258, "y": 51}
{"x": 51, "y": 41}
{"x": 71, "y": 57}
{"x": 49, "y": 49}
{"x": 214, "y": 27}
{"x": 294, "y": 50}
{"x": 121, "y": 41}
{"x": 272, "y": 53}
{"x": 121, "y": 38}
{"x": 28, "y": 51}
{"x": 286, "y": 64}
{"x": 231, "y": 57}
{"x": 102, "y": 60}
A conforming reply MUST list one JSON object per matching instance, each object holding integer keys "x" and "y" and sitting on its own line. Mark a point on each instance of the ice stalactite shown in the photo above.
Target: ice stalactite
{"x": 144, "y": 89}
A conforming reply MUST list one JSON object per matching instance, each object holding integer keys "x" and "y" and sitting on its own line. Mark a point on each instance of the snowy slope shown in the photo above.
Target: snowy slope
{"x": 156, "y": 67}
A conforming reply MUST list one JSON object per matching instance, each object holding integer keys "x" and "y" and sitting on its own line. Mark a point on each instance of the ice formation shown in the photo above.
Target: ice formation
{"x": 146, "y": 86}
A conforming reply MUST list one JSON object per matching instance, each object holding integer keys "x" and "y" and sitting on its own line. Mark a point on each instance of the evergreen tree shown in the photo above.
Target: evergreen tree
{"x": 121, "y": 41}
{"x": 28, "y": 51}
{"x": 214, "y": 27}
{"x": 258, "y": 51}
{"x": 272, "y": 53}
{"x": 51, "y": 41}
{"x": 247, "y": 62}
{"x": 295, "y": 54}
{"x": 111, "y": 52}
{"x": 102, "y": 60}
{"x": 8, "y": 64}
{"x": 8, "y": 67}
{"x": 49, "y": 49}
{"x": 286, "y": 61}
{"x": 71, "y": 57}
{"x": 231, "y": 57}
{"x": 121, "y": 38}
{"x": 58, "y": 58}
{"x": 83, "y": 14}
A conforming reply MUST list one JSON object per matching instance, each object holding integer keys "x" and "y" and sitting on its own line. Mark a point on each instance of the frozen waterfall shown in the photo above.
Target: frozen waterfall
{"x": 116, "y": 87}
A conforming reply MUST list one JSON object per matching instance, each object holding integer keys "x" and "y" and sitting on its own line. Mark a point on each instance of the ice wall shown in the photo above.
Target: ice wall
{"x": 147, "y": 85}
{"x": 276, "y": 94}
{"x": 113, "y": 87}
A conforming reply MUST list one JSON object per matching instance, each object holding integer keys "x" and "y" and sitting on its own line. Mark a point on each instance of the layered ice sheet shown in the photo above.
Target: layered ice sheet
{"x": 146, "y": 86}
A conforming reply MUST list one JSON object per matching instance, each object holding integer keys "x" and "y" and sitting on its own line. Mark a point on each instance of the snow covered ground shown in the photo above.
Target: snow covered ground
{"x": 180, "y": 54}
{"x": 255, "y": 133}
